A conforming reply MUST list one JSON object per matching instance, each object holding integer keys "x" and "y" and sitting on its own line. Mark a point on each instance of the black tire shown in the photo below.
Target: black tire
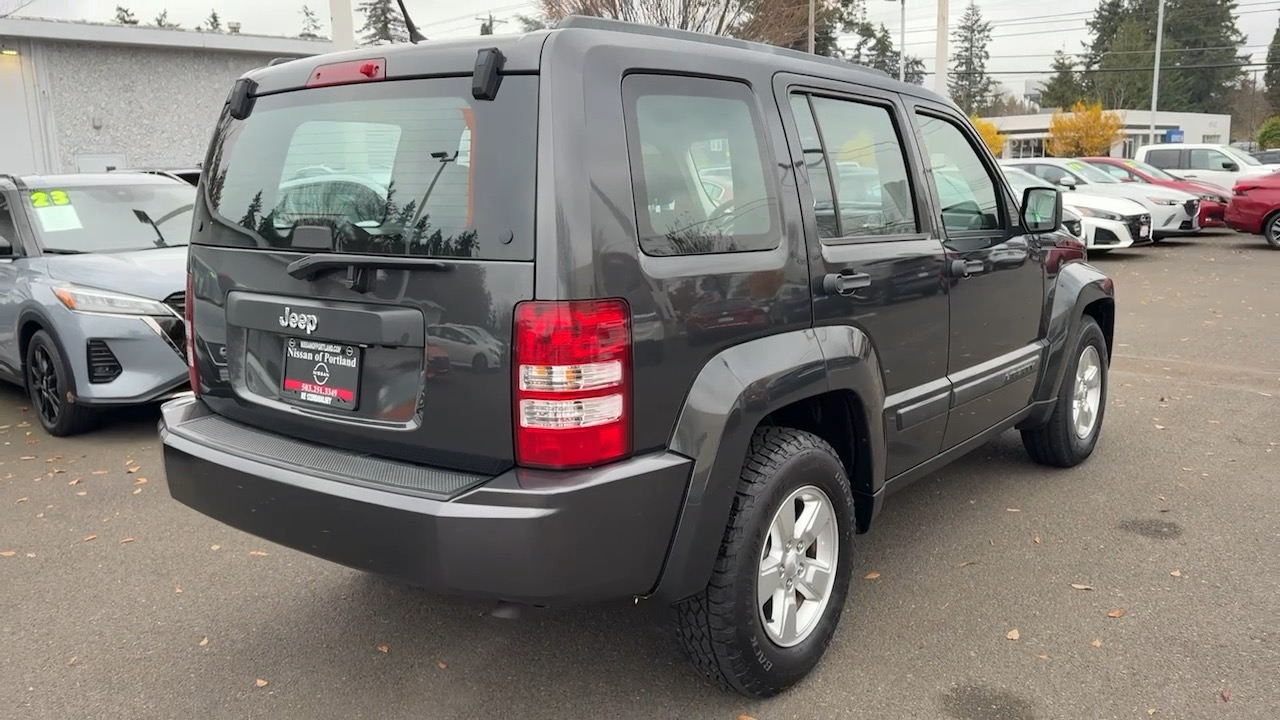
{"x": 479, "y": 363}
{"x": 1271, "y": 230}
{"x": 50, "y": 385}
{"x": 1057, "y": 443}
{"x": 720, "y": 628}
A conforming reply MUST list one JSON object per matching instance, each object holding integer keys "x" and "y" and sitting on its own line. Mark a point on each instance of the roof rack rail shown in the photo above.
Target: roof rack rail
{"x": 595, "y": 23}
{"x": 17, "y": 181}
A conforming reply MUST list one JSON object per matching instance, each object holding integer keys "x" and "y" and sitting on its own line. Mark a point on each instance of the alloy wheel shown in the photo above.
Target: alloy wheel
{"x": 44, "y": 386}
{"x": 797, "y": 569}
{"x": 1087, "y": 397}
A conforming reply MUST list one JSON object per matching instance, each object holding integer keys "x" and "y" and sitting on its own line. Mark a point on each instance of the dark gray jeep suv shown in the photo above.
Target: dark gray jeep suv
{"x": 721, "y": 310}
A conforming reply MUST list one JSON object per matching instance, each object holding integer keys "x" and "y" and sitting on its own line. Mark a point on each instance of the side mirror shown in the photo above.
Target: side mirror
{"x": 1041, "y": 209}
{"x": 1067, "y": 182}
{"x": 1230, "y": 166}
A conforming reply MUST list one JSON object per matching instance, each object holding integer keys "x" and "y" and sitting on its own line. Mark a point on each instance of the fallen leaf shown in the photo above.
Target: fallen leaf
{"x": 8, "y": 553}
{"x": 441, "y": 665}
{"x": 82, "y": 493}
{"x": 1043, "y": 656}
{"x": 1116, "y": 613}
{"x": 178, "y": 589}
{"x": 258, "y": 553}
{"x": 137, "y": 490}
{"x": 215, "y": 547}
{"x": 745, "y": 717}
{"x": 1159, "y": 427}
{"x": 871, "y": 575}
{"x": 261, "y": 683}
{"x": 28, "y": 457}
{"x": 126, "y": 540}
{"x": 1175, "y": 573}
{"x": 90, "y": 537}
{"x": 205, "y": 641}
{"x": 132, "y": 469}
{"x": 99, "y": 472}
{"x": 383, "y": 649}
{"x": 31, "y": 555}
{"x": 21, "y": 500}
{"x": 39, "y": 515}
{"x": 1160, "y": 497}
{"x": 1079, "y": 586}
{"x": 72, "y": 661}
{"x": 1225, "y": 695}
{"x": 74, "y": 481}
{"x": 1012, "y": 510}
{"x": 140, "y": 481}
{"x": 967, "y": 563}
{"x": 1096, "y": 643}
{"x": 1013, "y": 634}
{"x": 1151, "y": 711}
{"x": 1036, "y": 539}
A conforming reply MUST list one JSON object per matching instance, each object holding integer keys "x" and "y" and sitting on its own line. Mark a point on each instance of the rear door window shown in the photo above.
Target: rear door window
{"x": 1164, "y": 159}
{"x": 410, "y": 167}
{"x": 698, "y": 160}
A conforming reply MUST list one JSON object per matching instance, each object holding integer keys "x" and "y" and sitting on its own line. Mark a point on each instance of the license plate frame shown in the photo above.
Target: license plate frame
{"x": 321, "y": 373}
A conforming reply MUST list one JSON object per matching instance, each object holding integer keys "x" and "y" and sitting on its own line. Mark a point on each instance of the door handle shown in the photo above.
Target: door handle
{"x": 967, "y": 268}
{"x": 845, "y": 282}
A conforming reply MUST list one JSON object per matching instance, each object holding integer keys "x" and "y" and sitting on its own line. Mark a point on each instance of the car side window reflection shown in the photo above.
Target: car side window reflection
{"x": 965, "y": 188}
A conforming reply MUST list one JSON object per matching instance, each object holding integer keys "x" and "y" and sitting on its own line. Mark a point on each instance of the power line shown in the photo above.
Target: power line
{"x": 1149, "y": 68}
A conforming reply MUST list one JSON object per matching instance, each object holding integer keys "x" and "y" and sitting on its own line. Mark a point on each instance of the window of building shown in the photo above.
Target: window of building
{"x": 865, "y": 164}
{"x": 698, "y": 160}
{"x": 1210, "y": 139}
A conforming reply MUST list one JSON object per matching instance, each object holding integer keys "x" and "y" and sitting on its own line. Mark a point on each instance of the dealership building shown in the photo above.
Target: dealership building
{"x": 84, "y": 97}
{"x": 1027, "y": 135}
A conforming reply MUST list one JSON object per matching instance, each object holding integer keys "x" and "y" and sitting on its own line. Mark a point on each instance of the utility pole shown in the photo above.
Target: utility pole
{"x": 811, "y": 25}
{"x": 486, "y": 24}
{"x": 1155, "y": 72}
{"x": 940, "y": 51}
{"x": 902, "y": 42}
{"x": 343, "y": 24}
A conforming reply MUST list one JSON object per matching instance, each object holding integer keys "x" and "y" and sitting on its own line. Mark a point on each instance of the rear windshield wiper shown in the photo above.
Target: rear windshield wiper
{"x": 309, "y": 266}
{"x": 61, "y": 251}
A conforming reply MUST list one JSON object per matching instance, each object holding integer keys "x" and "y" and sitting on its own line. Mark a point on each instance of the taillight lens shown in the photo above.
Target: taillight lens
{"x": 189, "y": 313}
{"x": 572, "y": 383}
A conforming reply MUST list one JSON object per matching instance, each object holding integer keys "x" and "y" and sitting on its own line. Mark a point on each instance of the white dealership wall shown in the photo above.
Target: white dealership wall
{"x": 1026, "y": 134}
{"x": 81, "y": 96}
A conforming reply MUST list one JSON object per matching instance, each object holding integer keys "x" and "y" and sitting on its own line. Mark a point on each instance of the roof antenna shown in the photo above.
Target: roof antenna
{"x": 415, "y": 37}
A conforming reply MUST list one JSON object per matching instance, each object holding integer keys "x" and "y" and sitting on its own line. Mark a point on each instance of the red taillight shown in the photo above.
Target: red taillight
{"x": 189, "y": 313}
{"x": 352, "y": 71}
{"x": 572, "y": 383}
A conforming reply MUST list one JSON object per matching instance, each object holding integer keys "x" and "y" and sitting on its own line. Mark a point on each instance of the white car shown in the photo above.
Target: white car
{"x": 1221, "y": 165}
{"x": 1173, "y": 212}
{"x": 467, "y": 345}
{"x": 1107, "y": 223}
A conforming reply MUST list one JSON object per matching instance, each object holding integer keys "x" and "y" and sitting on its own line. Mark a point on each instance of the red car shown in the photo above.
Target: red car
{"x": 1255, "y": 207}
{"x": 1213, "y": 203}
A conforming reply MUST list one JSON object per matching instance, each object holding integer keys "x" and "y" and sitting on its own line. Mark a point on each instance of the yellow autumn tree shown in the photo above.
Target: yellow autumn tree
{"x": 991, "y": 135}
{"x": 1086, "y": 130}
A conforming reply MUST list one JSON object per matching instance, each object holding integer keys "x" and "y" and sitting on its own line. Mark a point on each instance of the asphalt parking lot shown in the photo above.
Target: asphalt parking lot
{"x": 116, "y": 602}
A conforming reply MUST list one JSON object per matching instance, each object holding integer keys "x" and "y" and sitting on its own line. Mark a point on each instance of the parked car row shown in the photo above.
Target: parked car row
{"x": 1132, "y": 202}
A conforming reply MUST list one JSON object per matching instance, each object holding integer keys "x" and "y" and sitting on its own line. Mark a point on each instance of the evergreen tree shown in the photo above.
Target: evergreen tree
{"x": 1200, "y": 64}
{"x": 1123, "y": 79}
{"x": 162, "y": 20}
{"x": 1066, "y": 86}
{"x": 486, "y": 26}
{"x": 1271, "y": 78}
{"x": 124, "y": 16}
{"x": 970, "y": 86}
{"x": 383, "y": 22}
{"x": 214, "y": 23}
{"x": 310, "y": 23}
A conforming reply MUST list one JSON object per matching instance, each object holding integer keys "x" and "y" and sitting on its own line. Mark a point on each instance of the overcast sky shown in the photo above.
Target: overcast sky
{"x": 1025, "y": 36}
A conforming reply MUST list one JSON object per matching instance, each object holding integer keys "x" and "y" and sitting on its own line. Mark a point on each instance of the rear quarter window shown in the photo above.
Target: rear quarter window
{"x": 409, "y": 167}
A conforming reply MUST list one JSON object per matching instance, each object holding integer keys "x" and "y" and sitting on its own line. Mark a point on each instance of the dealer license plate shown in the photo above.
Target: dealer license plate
{"x": 321, "y": 373}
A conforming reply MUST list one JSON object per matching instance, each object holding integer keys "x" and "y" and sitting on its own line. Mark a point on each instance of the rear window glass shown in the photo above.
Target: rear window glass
{"x": 411, "y": 167}
{"x": 112, "y": 218}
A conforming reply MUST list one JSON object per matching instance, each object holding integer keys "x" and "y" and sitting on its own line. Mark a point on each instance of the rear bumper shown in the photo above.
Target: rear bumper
{"x": 523, "y": 536}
